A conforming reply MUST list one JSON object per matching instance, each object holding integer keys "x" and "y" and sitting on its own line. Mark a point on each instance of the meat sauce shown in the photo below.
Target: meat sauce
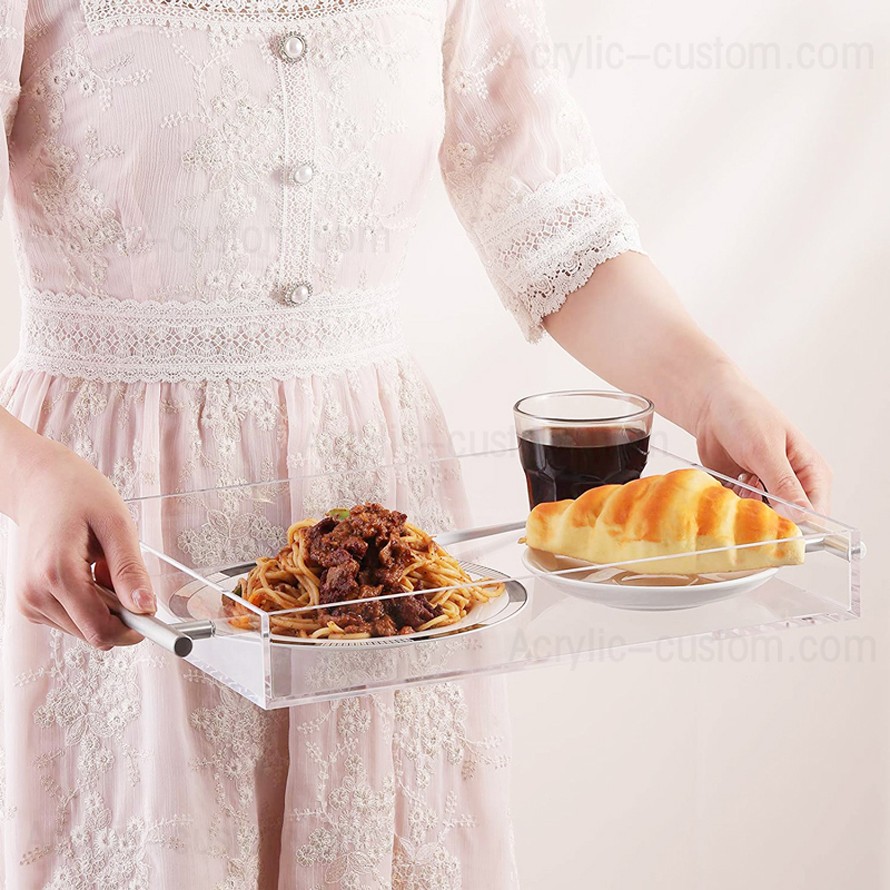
{"x": 363, "y": 556}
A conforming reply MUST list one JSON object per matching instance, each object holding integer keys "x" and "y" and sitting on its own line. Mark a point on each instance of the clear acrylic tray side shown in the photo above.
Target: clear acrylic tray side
{"x": 196, "y": 545}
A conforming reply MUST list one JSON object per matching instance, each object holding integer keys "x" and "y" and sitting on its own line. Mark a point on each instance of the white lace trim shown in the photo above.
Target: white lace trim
{"x": 545, "y": 245}
{"x": 299, "y": 148}
{"x": 100, "y": 15}
{"x": 99, "y": 338}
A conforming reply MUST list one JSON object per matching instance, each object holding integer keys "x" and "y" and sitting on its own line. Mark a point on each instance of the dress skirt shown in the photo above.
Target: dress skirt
{"x": 131, "y": 769}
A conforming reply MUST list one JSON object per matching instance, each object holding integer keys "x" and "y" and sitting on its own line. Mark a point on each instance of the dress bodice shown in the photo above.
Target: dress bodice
{"x": 214, "y": 187}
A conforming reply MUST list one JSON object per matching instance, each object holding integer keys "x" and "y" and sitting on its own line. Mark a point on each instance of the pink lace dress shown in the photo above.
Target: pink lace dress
{"x": 211, "y": 202}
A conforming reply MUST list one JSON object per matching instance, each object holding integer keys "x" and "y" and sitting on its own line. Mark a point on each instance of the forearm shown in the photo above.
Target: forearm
{"x": 628, "y": 326}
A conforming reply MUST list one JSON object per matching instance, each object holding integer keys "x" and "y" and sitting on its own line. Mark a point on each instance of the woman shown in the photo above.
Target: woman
{"x": 211, "y": 204}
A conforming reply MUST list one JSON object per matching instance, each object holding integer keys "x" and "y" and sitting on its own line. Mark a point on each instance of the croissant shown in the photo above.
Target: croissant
{"x": 683, "y": 511}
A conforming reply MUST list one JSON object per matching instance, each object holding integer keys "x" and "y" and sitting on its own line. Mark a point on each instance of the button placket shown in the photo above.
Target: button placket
{"x": 298, "y": 150}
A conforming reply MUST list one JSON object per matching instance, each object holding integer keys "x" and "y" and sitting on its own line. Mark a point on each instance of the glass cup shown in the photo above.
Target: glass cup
{"x": 573, "y": 441}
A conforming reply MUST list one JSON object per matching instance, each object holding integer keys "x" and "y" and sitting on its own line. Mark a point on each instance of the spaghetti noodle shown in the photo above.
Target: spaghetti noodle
{"x": 368, "y": 572}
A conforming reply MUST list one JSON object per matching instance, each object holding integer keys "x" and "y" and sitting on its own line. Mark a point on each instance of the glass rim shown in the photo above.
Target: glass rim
{"x": 647, "y": 406}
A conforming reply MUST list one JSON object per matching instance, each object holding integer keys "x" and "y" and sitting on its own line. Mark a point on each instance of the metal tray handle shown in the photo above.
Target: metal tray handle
{"x": 176, "y": 638}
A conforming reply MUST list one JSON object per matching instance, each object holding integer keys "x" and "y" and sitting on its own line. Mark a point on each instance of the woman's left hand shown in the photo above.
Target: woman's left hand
{"x": 628, "y": 326}
{"x": 740, "y": 431}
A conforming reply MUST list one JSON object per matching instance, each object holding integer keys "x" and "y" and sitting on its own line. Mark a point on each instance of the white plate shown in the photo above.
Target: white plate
{"x": 198, "y": 600}
{"x": 621, "y": 589}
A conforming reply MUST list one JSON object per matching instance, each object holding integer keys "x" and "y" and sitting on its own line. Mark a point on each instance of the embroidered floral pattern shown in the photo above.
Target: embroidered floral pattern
{"x": 92, "y": 699}
{"x": 77, "y": 217}
{"x": 95, "y": 855}
{"x": 236, "y": 149}
{"x": 431, "y": 723}
{"x": 347, "y": 838}
{"x": 73, "y": 69}
{"x": 354, "y": 830}
{"x": 431, "y": 728}
{"x": 225, "y": 538}
{"x": 243, "y": 740}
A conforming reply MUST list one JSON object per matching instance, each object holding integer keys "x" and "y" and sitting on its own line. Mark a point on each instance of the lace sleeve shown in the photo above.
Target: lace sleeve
{"x": 519, "y": 163}
{"x": 12, "y": 33}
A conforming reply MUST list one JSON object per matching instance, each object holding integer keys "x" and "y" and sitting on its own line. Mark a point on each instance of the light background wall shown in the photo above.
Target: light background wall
{"x": 762, "y": 192}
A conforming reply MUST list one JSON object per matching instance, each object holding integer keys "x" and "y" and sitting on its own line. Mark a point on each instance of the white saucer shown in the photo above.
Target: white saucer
{"x": 621, "y": 589}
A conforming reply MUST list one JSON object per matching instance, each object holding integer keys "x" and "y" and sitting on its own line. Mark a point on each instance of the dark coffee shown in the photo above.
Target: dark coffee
{"x": 563, "y": 463}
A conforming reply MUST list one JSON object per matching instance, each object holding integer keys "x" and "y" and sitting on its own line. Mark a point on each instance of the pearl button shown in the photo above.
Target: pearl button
{"x": 292, "y": 46}
{"x": 302, "y": 174}
{"x": 297, "y": 294}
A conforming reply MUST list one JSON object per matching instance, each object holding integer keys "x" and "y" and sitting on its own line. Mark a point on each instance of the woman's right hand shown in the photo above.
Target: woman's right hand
{"x": 69, "y": 516}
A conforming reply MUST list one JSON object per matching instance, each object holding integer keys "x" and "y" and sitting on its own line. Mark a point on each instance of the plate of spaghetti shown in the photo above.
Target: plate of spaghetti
{"x": 367, "y": 576}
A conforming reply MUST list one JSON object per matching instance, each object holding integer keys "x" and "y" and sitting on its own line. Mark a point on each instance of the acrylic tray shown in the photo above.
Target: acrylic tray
{"x": 196, "y": 543}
